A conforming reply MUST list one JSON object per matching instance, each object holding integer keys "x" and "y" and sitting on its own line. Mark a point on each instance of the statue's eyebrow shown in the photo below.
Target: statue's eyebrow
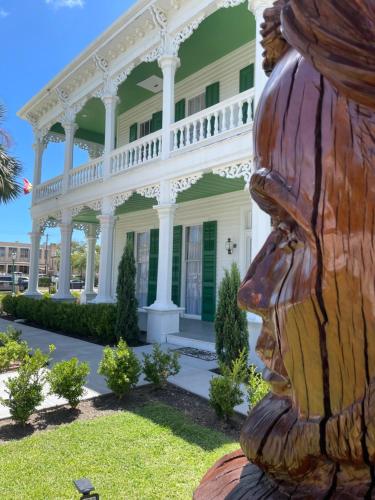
{"x": 273, "y": 196}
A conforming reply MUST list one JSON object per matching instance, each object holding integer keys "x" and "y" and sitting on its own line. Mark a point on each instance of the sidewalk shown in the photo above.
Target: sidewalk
{"x": 194, "y": 376}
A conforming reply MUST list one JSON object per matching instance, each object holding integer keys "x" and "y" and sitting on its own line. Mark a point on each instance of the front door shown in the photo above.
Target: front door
{"x": 193, "y": 259}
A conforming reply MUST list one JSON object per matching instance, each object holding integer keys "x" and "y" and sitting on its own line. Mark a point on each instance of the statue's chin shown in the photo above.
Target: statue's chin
{"x": 285, "y": 447}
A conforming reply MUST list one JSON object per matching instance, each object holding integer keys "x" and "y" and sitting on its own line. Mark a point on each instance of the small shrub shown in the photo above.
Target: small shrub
{"x": 12, "y": 352}
{"x": 120, "y": 368}
{"x": 9, "y": 304}
{"x": 25, "y": 392}
{"x": 67, "y": 379}
{"x": 231, "y": 330}
{"x": 159, "y": 365}
{"x": 10, "y": 334}
{"x": 224, "y": 394}
{"x": 257, "y": 387}
{"x": 225, "y": 391}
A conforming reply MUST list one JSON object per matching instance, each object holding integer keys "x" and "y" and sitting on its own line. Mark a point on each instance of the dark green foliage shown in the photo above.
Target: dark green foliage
{"x": 120, "y": 368}
{"x": 159, "y": 365}
{"x": 10, "y": 334}
{"x": 25, "y": 390}
{"x": 10, "y": 167}
{"x": 231, "y": 329}
{"x": 225, "y": 391}
{"x": 94, "y": 321}
{"x": 127, "y": 315}
{"x": 67, "y": 379}
{"x": 44, "y": 281}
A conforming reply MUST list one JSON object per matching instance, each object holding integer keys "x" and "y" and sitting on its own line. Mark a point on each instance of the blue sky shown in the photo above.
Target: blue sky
{"x": 39, "y": 38}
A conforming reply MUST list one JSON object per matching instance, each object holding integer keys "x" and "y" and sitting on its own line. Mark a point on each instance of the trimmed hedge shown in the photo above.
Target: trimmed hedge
{"x": 94, "y": 321}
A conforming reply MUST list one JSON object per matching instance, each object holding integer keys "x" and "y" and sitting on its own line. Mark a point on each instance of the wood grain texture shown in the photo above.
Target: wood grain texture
{"x": 313, "y": 282}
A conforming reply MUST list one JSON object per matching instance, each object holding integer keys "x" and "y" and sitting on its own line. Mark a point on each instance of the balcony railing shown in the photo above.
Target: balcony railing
{"x": 89, "y": 172}
{"x": 49, "y": 189}
{"x": 136, "y": 153}
{"x": 211, "y": 122}
{"x": 226, "y": 116}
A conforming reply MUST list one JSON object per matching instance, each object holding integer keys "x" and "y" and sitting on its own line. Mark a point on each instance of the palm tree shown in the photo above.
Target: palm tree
{"x": 10, "y": 168}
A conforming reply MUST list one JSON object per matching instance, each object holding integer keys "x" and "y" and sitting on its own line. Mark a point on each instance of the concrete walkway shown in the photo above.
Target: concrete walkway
{"x": 194, "y": 376}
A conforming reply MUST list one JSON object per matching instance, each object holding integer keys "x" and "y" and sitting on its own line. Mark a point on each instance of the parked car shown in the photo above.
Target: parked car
{"x": 6, "y": 283}
{"x": 23, "y": 284}
{"x": 76, "y": 284}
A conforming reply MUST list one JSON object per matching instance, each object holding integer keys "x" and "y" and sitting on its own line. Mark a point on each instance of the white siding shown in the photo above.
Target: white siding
{"x": 225, "y": 70}
{"x": 226, "y": 209}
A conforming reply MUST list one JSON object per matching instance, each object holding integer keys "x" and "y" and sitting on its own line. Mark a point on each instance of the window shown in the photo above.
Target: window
{"x": 145, "y": 128}
{"x": 143, "y": 252}
{"x": 11, "y": 251}
{"x": 2, "y": 268}
{"x": 193, "y": 296}
{"x": 23, "y": 269}
{"x": 2, "y": 252}
{"x": 196, "y": 104}
{"x": 10, "y": 269}
{"x": 25, "y": 253}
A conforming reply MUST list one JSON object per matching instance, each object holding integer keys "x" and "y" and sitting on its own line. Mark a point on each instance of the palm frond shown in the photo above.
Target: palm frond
{"x": 10, "y": 170}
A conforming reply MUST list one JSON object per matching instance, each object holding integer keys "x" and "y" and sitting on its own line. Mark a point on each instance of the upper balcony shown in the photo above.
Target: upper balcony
{"x": 156, "y": 114}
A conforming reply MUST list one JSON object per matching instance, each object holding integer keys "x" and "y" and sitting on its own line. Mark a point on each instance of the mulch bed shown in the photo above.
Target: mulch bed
{"x": 192, "y": 406}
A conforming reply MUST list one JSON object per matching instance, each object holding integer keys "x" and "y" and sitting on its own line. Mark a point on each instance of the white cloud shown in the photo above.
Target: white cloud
{"x": 66, "y": 3}
{"x": 3, "y": 13}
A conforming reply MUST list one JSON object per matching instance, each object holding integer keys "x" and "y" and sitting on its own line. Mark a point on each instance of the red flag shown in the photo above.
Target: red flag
{"x": 27, "y": 186}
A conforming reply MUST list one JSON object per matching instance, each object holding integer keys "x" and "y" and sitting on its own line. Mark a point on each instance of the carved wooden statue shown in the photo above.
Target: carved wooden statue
{"x": 313, "y": 282}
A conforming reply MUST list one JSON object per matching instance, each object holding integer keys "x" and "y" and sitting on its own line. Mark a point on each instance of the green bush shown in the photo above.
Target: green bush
{"x": 67, "y": 379}
{"x": 159, "y": 365}
{"x": 127, "y": 305}
{"x": 44, "y": 281}
{"x": 10, "y": 334}
{"x": 120, "y": 368}
{"x": 25, "y": 392}
{"x": 231, "y": 328}
{"x": 225, "y": 391}
{"x": 12, "y": 352}
{"x": 257, "y": 387}
{"x": 95, "y": 321}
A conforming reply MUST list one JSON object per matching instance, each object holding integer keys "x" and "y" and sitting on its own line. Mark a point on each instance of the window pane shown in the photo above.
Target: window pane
{"x": 2, "y": 251}
{"x": 143, "y": 251}
{"x": 193, "y": 302}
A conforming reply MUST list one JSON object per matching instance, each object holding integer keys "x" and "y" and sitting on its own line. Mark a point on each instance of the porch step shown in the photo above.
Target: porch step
{"x": 189, "y": 342}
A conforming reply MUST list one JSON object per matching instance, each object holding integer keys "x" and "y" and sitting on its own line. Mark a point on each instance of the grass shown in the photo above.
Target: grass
{"x": 152, "y": 453}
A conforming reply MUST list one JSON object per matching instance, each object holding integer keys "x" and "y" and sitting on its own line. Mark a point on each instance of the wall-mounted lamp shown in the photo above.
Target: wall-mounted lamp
{"x": 230, "y": 246}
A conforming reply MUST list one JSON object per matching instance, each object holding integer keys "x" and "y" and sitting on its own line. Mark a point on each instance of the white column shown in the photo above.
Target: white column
{"x": 168, "y": 65}
{"x": 63, "y": 290}
{"x": 107, "y": 224}
{"x": 70, "y": 128}
{"x": 38, "y": 147}
{"x": 88, "y": 294}
{"x": 164, "y": 285}
{"x": 110, "y": 102}
{"x": 35, "y": 235}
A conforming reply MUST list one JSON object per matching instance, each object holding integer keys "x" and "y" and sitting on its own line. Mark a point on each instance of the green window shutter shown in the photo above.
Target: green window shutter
{"x": 180, "y": 110}
{"x": 246, "y": 83}
{"x": 156, "y": 121}
{"x": 153, "y": 266}
{"x": 209, "y": 271}
{"x": 130, "y": 239}
{"x": 212, "y": 94}
{"x": 176, "y": 265}
{"x": 133, "y": 132}
{"x": 247, "y": 78}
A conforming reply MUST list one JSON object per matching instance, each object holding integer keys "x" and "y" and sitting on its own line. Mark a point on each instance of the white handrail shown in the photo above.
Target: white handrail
{"x": 89, "y": 172}
{"x": 49, "y": 189}
{"x": 230, "y": 114}
{"x": 136, "y": 153}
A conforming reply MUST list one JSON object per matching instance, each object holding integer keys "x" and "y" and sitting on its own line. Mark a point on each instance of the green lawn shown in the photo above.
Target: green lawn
{"x": 153, "y": 453}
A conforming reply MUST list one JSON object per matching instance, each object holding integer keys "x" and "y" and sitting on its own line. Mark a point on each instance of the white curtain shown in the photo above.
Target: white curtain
{"x": 143, "y": 251}
{"x": 193, "y": 301}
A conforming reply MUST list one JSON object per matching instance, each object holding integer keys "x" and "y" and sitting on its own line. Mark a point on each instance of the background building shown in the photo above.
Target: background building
{"x": 48, "y": 258}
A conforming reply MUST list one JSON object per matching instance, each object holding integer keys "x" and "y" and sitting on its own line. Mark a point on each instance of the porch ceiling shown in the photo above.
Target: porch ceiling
{"x": 222, "y": 32}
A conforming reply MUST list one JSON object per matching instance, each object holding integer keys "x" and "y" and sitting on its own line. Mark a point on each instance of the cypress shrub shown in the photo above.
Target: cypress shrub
{"x": 231, "y": 331}
{"x": 127, "y": 315}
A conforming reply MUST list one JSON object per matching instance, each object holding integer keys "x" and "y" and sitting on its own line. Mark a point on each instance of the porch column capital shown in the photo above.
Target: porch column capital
{"x": 167, "y": 61}
{"x": 165, "y": 210}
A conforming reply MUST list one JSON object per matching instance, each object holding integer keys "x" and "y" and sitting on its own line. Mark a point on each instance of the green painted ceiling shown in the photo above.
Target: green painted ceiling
{"x": 221, "y": 33}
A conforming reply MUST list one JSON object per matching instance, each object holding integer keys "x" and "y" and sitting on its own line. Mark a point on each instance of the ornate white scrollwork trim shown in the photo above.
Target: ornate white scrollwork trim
{"x": 187, "y": 31}
{"x": 159, "y": 17}
{"x": 51, "y": 220}
{"x": 120, "y": 198}
{"x": 94, "y": 150}
{"x": 182, "y": 184}
{"x": 229, "y": 3}
{"x": 150, "y": 192}
{"x": 234, "y": 171}
{"x": 95, "y": 205}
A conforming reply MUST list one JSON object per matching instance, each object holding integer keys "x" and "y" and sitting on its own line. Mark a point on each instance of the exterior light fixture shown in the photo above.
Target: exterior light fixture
{"x": 86, "y": 488}
{"x": 230, "y": 246}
